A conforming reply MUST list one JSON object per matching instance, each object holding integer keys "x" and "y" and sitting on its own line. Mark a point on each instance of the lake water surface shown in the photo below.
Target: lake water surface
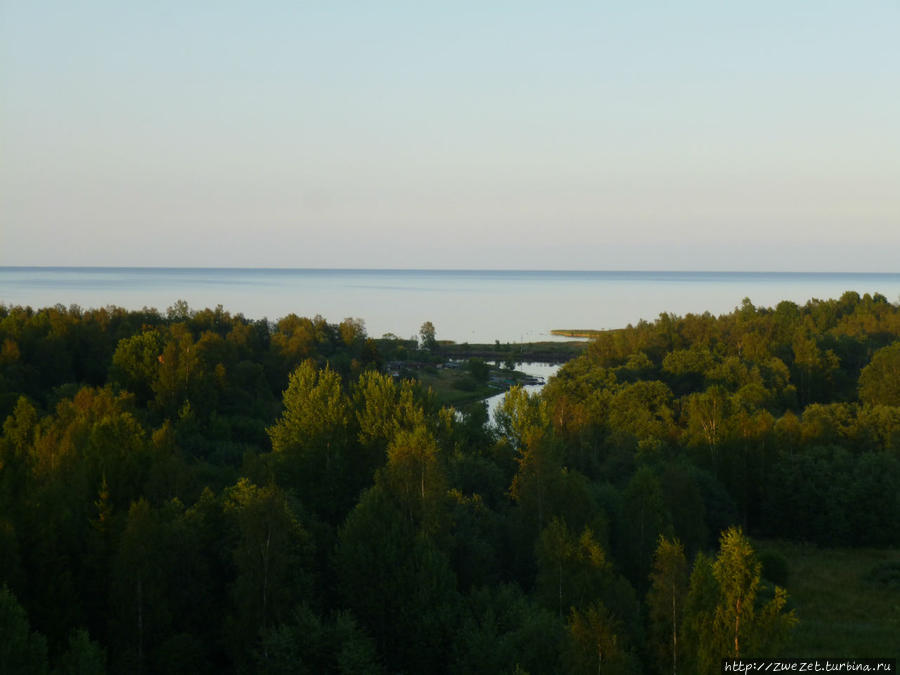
{"x": 464, "y": 305}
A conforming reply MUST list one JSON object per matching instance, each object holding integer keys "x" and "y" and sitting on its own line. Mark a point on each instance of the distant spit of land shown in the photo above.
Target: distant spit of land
{"x": 576, "y": 332}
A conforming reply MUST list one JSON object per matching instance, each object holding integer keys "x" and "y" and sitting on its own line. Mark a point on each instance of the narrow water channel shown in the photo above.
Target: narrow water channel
{"x": 541, "y": 370}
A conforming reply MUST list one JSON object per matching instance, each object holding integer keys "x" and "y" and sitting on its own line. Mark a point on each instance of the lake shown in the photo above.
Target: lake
{"x": 464, "y": 305}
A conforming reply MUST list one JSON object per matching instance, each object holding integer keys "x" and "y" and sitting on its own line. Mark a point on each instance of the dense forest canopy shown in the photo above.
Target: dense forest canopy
{"x": 198, "y": 492}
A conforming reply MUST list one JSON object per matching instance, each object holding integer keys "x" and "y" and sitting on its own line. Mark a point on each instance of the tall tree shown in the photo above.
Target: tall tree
{"x": 703, "y": 649}
{"x": 572, "y": 569}
{"x": 596, "y": 644}
{"x": 644, "y": 518}
{"x": 744, "y": 630}
{"x": 271, "y": 555}
{"x": 312, "y": 440}
{"x": 665, "y": 602}
{"x": 427, "y": 338}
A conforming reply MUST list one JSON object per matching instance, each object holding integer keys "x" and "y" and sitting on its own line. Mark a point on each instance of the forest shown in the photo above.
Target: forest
{"x": 192, "y": 491}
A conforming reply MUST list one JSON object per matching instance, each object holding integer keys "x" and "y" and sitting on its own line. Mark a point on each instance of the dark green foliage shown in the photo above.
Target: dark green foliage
{"x": 307, "y": 644}
{"x": 665, "y": 603}
{"x": 886, "y": 575}
{"x": 774, "y": 567}
{"x": 196, "y": 492}
{"x": 21, "y": 650}
{"x": 83, "y": 657}
{"x": 595, "y": 644}
{"x": 503, "y": 631}
{"x": 479, "y": 369}
{"x": 393, "y": 577}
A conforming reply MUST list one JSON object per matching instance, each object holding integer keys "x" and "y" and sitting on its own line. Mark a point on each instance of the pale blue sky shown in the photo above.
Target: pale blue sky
{"x": 585, "y": 135}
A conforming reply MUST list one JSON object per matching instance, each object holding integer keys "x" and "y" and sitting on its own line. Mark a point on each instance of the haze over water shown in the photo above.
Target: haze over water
{"x": 464, "y": 305}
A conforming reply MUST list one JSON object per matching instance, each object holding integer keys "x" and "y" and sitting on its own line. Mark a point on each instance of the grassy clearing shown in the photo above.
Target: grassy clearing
{"x": 847, "y": 600}
{"x": 455, "y": 387}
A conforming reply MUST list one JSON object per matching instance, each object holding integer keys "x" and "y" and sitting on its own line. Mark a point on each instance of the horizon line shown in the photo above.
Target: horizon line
{"x": 436, "y": 269}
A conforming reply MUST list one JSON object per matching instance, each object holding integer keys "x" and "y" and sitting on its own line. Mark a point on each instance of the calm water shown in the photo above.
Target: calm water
{"x": 466, "y": 306}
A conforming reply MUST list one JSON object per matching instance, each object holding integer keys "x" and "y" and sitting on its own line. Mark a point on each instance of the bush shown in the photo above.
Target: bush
{"x": 774, "y": 567}
{"x": 465, "y": 384}
{"x": 885, "y": 574}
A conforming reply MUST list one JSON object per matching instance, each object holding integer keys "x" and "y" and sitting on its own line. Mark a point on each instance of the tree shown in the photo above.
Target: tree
{"x": 665, "y": 601}
{"x": 505, "y": 631}
{"x": 21, "y": 651}
{"x": 744, "y": 631}
{"x": 644, "y": 518}
{"x": 706, "y": 413}
{"x": 139, "y": 598}
{"x": 572, "y": 570}
{"x": 270, "y": 555}
{"x": 642, "y": 410}
{"x": 479, "y": 369}
{"x": 308, "y": 644}
{"x": 414, "y": 478}
{"x": 702, "y": 645}
{"x": 383, "y": 408}
{"x": 136, "y": 362}
{"x": 595, "y": 643}
{"x": 352, "y": 332}
{"x": 426, "y": 336}
{"x": 312, "y": 440}
{"x": 397, "y": 582}
{"x": 83, "y": 657}
{"x": 879, "y": 382}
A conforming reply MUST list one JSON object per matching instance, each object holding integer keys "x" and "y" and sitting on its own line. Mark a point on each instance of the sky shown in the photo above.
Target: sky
{"x": 711, "y": 135}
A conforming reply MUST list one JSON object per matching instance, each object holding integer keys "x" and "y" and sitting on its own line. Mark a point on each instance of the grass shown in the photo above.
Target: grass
{"x": 847, "y": 600}
{"x": 447, "y": 385}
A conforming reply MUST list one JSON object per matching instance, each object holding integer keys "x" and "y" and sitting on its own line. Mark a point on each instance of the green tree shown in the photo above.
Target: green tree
{"x": 644, "y": 518}
{"x": 706, "y": 415}
{"x": 643, "y": 411}
{"x": 383, "y": 408}
{"x": 21, "y": 651}
{"x": 136, "y": 363}
{"x": 743, "y": 629}
{"x": 427, "y": 338}
{"x": 703, "y": 648}
{"x": 479, "y": 369}
{"x": 398, "y": 583}
{"x": 83, "y": 656}
{"x": 271, "y": 555}
{"x": 879, "y": 382}
{"x": 414, "y": 477}
{"x": 596, "y": 644}
{"x": 312, "y": 441}
{"x": 665, "y": 602}
{"x": 523, "y": 419}
{"x": 572, "y": 570}
{"x": 504, "y": 631}
{"x": 353, "y": 332}
{"x": 141, "y": 613}
{"x": 308, "y": 644}
{"x": 179, "y": 367}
